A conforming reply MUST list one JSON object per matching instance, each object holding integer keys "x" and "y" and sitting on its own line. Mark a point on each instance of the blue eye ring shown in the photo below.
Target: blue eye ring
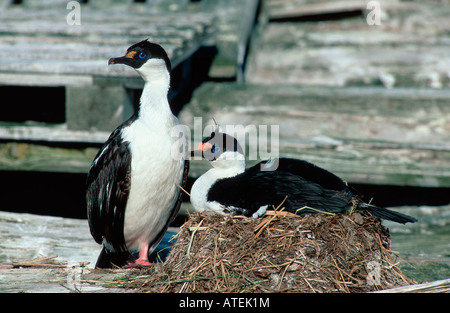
{"x": 142, "y": 55}
{"x": 215, "y": 149}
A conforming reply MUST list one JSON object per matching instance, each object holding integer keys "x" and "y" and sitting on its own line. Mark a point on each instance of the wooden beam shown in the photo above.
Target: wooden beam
{"x": 400, "y": 52}
{"x": 438, "y": 286}
{"x": 365, "y": 135}
{"x": 21, "y": 156}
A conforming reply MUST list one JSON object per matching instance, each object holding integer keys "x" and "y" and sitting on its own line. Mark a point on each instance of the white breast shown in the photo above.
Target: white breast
{"x": 199, "y": 197}
{"x": 200, "y": 189}
{"x": 154, "y": 178}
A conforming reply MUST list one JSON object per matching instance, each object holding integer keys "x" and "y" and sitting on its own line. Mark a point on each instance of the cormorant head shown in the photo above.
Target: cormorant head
{"x": 222, "y": 150}
{"x": 146, "y": 58}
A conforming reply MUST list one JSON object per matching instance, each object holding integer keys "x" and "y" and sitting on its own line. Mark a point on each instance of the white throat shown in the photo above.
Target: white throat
{"x": 155, "y": 70}
{"x": 154, "y": 103}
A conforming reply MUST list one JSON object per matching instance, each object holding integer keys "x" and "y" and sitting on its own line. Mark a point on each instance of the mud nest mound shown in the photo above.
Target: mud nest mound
{"x": 280, "y": 252}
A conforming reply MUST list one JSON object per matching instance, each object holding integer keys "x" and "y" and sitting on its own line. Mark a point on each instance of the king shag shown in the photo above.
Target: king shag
{"x": 133, "y": 183}
{"x": 301, "y": 187}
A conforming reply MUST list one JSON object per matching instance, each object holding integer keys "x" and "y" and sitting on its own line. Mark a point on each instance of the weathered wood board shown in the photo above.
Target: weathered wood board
{"x": 46, "y": 158}
{"x": 50, "y": 133}
{"x": 57, "y": 278}
{"x": 234, "y": 22}
{"x": 366, "y": 135}
{"x": 282, "y": 10}
{"x": 29, "y": 236}
{"x": 408, "y": 48}
{"x": 42, "y": 42}
{"x": 29, "y": 244}
{"x": 25, "y": 237}
{"x": 106, "y": 28}
{"x": 41, "y": 47}
{"x": 439, "y": 286}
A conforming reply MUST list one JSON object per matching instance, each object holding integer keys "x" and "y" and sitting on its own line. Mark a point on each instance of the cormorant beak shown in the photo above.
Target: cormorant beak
{"x": 126, "y": 59}
{"x": 203, "y": 150}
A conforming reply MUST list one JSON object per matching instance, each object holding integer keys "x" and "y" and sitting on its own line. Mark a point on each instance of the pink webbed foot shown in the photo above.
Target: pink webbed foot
{"x": 138, "y": 263}
{"x": 142, "y": 261}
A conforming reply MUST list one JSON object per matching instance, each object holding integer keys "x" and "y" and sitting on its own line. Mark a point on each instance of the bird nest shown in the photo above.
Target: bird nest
{"x": 280, "y": 252}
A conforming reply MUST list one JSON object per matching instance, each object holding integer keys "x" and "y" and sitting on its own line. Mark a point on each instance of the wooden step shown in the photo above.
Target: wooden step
{"x": 43, "y": 253}
{"x": 52, "y": 254}
{"x": 44, "y": 44}
{"x": 38, "y": 48}
{"x": 365, "y": 135}
{"x": 408, "y": 49}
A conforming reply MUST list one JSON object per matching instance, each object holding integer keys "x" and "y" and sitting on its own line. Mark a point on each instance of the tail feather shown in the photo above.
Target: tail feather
{"x": 386, "y": 214}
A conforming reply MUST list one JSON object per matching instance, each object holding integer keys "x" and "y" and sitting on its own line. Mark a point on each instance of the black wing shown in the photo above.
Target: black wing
{"x": 107, "y": 190}
{"x": 304, "y": 187}
{"x": 308, "y": 171}
{"x": 255, "y": 188}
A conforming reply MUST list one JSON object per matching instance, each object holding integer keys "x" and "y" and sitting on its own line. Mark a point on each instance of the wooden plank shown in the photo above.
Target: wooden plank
{"x": 43, "y": 43}
{"x": 51, "y": 254}
{"x": 149, "y": 7}
{"x": 397, "y": 137}
{"x": 102, "y": 108}
{"x": 347, "y": 66}
{"x": 365, "y": 162}
{"x": 365, "y": 135}
{"x": 44, "y": 80}
{"x": 439, "y": 286}
{"x": 375, "y": 163}
{"x": 51, "y": 134}
{"x": 400, "y": 52}
{"x": 63, "y": 279}
{"x": 247, "y": 25}
{"x": 290, "y": 9}
{"x": 371, "y": 113}
{"x": 39, "y": 48}
{"x": 28, "y": 236}
{"x": 234, "y": 21}
{"x": 31, "y": 242}
{"x": 20, "y": 156}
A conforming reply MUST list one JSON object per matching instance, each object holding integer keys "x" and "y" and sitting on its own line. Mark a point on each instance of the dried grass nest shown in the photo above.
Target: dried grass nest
{"x": 280, "y": 252}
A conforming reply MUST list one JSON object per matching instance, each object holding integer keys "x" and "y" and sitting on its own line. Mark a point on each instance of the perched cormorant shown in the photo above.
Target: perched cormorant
{"x": 133, "y": 184}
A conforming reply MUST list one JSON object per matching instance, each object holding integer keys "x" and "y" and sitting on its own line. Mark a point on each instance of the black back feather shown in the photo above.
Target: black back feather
{"x": 107, "y": 190}
{"x": 304, "y": 187}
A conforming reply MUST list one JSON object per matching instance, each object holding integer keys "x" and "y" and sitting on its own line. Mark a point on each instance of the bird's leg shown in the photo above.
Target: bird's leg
{"x": 141, "y": 261}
